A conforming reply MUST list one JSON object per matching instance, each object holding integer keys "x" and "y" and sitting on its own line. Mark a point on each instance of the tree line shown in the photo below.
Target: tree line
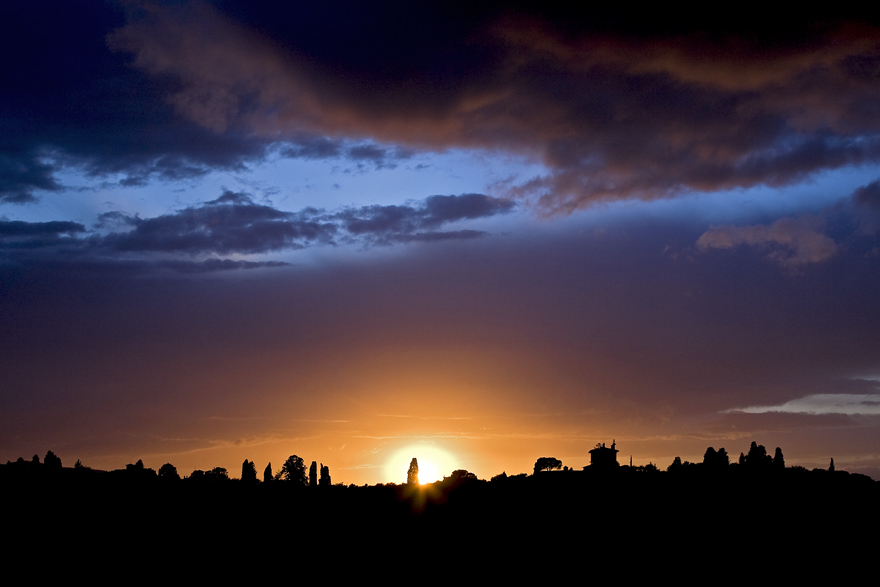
{"x": 293, "y": 470}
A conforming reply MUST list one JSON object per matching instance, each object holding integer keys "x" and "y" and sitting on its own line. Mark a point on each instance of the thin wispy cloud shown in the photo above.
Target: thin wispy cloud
{"x": 823, "y": 403}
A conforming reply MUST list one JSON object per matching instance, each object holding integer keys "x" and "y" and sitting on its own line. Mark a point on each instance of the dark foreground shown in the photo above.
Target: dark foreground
{"x": 779, "y": 523}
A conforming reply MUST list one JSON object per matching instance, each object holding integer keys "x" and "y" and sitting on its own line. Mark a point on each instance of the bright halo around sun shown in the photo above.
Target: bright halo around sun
{"x": 434, "y": 463}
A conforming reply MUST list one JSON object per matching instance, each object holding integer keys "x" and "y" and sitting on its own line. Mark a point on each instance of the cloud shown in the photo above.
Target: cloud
{"x": 17, "y": 228}
{"x": 372, "y": 153}
{"x": 383, "y": 224}
{"x": 611, "y": 111}
{"x": 315, "y": 147}
{"x": 793, "y": 242}
{"x": 824, "y": 403}
{"x": 233, "y": 224}
{"x": 435, "y": 236}
{"x": 17, "y": 234}
{"x": 850, "y": 223}
{"x": 211, "y": 265}
{"x": 20, "y": 175}
{"x": 89, "y": 110}
{"x": 321, "y": 147}
{"x": 230, "y": 224}
{"x": 613, "y": 107}
{"x": 868, "y": 195}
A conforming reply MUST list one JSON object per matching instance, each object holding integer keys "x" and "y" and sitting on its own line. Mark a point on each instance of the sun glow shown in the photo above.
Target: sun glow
{"x": 434, "y": 463}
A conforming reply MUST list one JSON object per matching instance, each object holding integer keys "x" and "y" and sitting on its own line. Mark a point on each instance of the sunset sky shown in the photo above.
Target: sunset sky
{"x": 475, "y": 233}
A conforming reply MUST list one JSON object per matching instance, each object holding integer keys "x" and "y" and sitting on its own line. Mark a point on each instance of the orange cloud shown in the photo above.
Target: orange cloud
{"x": 794, "y": 242}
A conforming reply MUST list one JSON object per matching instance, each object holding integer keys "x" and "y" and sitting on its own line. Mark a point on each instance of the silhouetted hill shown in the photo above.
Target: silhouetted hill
{"x": 607, "y": 517}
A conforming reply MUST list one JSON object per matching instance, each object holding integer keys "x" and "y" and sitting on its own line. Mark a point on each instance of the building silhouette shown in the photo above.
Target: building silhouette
{"x": 603, "y": 457}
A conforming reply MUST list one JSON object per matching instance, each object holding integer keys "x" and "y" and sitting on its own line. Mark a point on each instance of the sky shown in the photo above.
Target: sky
{"x": 473, "y": 233}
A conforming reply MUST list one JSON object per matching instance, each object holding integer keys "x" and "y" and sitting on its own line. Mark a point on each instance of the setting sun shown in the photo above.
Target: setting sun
{"x": 434, "y": 463}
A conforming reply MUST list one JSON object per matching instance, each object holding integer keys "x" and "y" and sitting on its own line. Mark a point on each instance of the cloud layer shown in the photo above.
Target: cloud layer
{"x": 612, "y": 113}
{"x": 234, "y": 224}
{"x": 613, "y": 107}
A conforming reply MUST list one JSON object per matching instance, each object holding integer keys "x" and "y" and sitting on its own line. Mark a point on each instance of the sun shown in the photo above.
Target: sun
{"x": 434, "y": 463}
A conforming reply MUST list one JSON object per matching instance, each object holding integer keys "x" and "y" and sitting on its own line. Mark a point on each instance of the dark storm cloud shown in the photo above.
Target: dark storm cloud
{"x": 615, "y": 105}
{"x": 20, "y": 174}
{"x": 68, "y": 101}
{"x": 637, "y": 107}
{"x": 234, "y": 224}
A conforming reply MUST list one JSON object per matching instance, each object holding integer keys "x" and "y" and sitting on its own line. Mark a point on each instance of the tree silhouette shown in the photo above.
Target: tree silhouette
{"x": 267, "y": 473}
{"x": 168, "y": 471}
{"x": 51, "y": 461}
{"x": 778, "y": 459}
{"x": 138, "y": 466}
{"x": 248, "y": 472}
{"x": 139, "y": 471}
{"x": 313, "y": 474}
{"x": 217, "y": 474}
{"x": 547, "y": 464}
{"x": 325, "y": 476}
{"x": 757, "y": 458}
{"x": 412, "y": 474}
{"x": 293, "y": 469}
{"x": 710, "y": 456}
{"x": 715, "y": 459}
{"x": 459, "y": 474}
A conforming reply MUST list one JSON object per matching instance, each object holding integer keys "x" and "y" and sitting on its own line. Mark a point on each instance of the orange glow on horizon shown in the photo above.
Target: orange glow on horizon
{"x": 434, "y": 463}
